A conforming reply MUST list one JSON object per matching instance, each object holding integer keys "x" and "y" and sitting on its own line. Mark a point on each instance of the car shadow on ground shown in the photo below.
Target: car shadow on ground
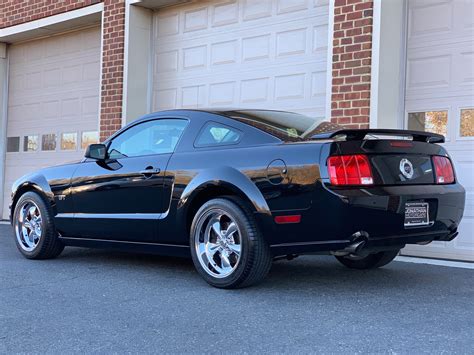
{"x": 305, "y": 272}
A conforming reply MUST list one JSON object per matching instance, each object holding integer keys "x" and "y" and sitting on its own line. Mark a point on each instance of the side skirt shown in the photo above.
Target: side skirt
{"x": 125, "y": 246}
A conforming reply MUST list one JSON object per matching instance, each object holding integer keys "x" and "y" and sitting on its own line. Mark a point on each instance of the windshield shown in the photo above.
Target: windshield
{"x": 284, "y": 125}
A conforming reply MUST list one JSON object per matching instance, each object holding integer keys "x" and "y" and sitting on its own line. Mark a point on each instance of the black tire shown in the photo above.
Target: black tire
{"x": 371, "y": 261}
{"x": 255, "y": 257}
{"x": 49, "y": 246}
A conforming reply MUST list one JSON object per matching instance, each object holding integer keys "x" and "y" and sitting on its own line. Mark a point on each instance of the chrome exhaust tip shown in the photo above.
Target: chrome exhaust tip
{"x": 359, "y": 240}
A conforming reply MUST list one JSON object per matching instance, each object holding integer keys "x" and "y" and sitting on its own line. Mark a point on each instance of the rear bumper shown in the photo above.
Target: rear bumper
{"x": 336, "y": 215}
{"x": 372, "y": 244}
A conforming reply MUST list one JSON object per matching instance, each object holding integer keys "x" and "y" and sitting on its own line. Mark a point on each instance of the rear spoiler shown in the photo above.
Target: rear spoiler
{"x": 359, "y": 134}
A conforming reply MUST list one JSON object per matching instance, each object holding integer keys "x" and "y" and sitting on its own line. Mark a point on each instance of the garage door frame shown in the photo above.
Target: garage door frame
{"x": 387, "y": 97}
{"x": 50, "y": 26}
{"x": 3, "y": 119}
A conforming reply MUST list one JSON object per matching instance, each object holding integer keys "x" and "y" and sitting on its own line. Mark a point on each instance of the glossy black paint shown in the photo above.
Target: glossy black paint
{"x": 111, "y": 203}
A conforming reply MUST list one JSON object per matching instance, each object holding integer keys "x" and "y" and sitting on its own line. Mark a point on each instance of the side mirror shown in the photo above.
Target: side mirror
{"x": 96, "y": 151}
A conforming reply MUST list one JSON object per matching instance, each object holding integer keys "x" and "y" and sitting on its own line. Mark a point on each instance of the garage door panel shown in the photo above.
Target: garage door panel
{"x": 245, "y": 70}
{"x": 429, "y": 17}
{"x": 439, "y": 22}
{"x": 467, "y": 242}
{"x": 72, "y": 84}
{"x": 53, "y": 89}
{"x": 440, "y": 78}
{"x": 188, "y": 21}
{"x": 465, "y": 60}
{"x": 429, "y": 72}
{"x": 302, "y": 43}
{"x": 464, "y": 171}
{"x": 245, "y": 73}
{"x": 297, "y": 90}
{"x": 269, "y": 54}
{"x": 316, "y": 22}
{"x": 39, "y": 117}
{"x": 436, "y": 72}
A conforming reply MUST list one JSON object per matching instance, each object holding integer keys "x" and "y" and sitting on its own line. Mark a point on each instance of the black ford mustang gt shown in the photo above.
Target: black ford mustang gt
{"x": 238, "y": 188}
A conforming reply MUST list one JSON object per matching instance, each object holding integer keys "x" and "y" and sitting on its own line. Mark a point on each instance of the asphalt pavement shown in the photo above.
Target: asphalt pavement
{"x": 96, "y": 301}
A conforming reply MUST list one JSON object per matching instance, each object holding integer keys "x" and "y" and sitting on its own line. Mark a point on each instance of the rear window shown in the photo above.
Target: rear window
{"x": 288, "y": 126}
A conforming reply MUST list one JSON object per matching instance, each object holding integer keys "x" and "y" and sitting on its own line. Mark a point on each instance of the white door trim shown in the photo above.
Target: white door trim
{"x": 125, "y": 60}
{"x": 374, "y": 72}
{"x": 402, "y": 115}
{"x": 3, "y": 130}
{"x": 329, "y": 59}
{"x": 49, "y": 21}
{"x": 101, "y": 62}
{"x": 387, "y": 92}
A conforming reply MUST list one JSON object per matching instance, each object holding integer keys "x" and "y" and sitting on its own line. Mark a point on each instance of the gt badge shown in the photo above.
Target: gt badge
{"x": 406, "y": 168}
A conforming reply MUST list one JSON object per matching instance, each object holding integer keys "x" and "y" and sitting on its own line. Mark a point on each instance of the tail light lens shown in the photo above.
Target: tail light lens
{"x": 444, "y": 172}
{"x": 350, "y": 170}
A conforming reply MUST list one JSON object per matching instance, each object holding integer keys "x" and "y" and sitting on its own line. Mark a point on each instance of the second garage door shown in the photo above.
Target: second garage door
{"x": 53, "y": 102}
{"x": 264, "y": 54}
{"x": 440, "y": 98}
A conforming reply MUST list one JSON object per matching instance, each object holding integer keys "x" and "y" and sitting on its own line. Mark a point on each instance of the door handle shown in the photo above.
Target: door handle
{"x": 150, "y": 171}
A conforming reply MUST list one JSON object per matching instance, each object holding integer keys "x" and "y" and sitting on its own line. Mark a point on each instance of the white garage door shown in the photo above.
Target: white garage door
{"x": 53, "y": 102}
{"x": 440, "y": 97}
{"x": 245, "y": 53}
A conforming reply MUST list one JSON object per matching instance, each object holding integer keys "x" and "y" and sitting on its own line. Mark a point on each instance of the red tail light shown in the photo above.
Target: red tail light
{"x": 350, "y": 170}
{"x": 444, "y": 172}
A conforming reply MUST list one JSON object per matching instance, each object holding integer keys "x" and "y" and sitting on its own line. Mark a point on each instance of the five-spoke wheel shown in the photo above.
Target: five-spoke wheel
{"x": 227, "y": 247}
{"x": 36, "y": 235}
{"x": 28, "y": 226}
{"x": 218, "y": 243}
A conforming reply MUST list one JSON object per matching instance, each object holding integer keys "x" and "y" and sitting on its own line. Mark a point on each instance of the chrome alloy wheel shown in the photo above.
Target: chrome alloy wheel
{"x": 218, "y": 243}
{"x": 28, "y": 226}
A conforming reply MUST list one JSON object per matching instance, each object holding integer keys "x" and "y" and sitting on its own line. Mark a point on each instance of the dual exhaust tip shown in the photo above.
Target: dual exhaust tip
{"x": 359, "y": 240}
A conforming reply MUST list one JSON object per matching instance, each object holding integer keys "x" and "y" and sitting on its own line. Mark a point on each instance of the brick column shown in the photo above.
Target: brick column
{"x": 351, "y": 63}
{"x": 112, "y": 67}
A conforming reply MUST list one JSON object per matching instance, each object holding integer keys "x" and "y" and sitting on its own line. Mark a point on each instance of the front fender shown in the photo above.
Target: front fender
{"x": 34, "y": 181}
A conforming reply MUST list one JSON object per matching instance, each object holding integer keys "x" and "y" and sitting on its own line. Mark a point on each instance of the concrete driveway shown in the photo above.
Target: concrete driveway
{"x": 99, "y": 301}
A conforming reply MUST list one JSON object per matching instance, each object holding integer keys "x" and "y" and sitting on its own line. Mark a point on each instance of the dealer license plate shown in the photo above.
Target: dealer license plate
{"x": 416, "y": 214}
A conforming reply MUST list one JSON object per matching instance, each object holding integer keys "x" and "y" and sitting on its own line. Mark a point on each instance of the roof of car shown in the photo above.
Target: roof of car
{"x": 224, "y": 111}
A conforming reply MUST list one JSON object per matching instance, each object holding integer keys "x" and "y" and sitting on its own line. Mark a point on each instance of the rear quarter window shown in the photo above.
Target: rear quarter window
{"x": 217, "y": 134}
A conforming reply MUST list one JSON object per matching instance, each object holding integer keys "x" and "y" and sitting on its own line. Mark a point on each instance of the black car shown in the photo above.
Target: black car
{"x": 237, "y": 189}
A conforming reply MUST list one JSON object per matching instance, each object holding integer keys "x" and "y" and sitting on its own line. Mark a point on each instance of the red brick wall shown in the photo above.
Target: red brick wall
{"x": 112, "y": 67}
{"x": 14, "y": 12}
{"x": 351, "y": 65}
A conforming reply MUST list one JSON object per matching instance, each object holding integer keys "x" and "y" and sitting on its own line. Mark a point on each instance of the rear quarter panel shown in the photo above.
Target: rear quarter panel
{"x": 246, "y": 169}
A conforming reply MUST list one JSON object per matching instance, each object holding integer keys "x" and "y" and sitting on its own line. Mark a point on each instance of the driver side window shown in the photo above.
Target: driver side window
{"x": 148, "y": 138}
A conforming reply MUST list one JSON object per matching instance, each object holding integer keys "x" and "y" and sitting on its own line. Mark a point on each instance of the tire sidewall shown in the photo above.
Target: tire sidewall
{"x": 247, "y": 240}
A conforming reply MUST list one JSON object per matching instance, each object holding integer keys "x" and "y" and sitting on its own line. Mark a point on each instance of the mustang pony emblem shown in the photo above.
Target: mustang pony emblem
{"x": 406, "y": 168}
